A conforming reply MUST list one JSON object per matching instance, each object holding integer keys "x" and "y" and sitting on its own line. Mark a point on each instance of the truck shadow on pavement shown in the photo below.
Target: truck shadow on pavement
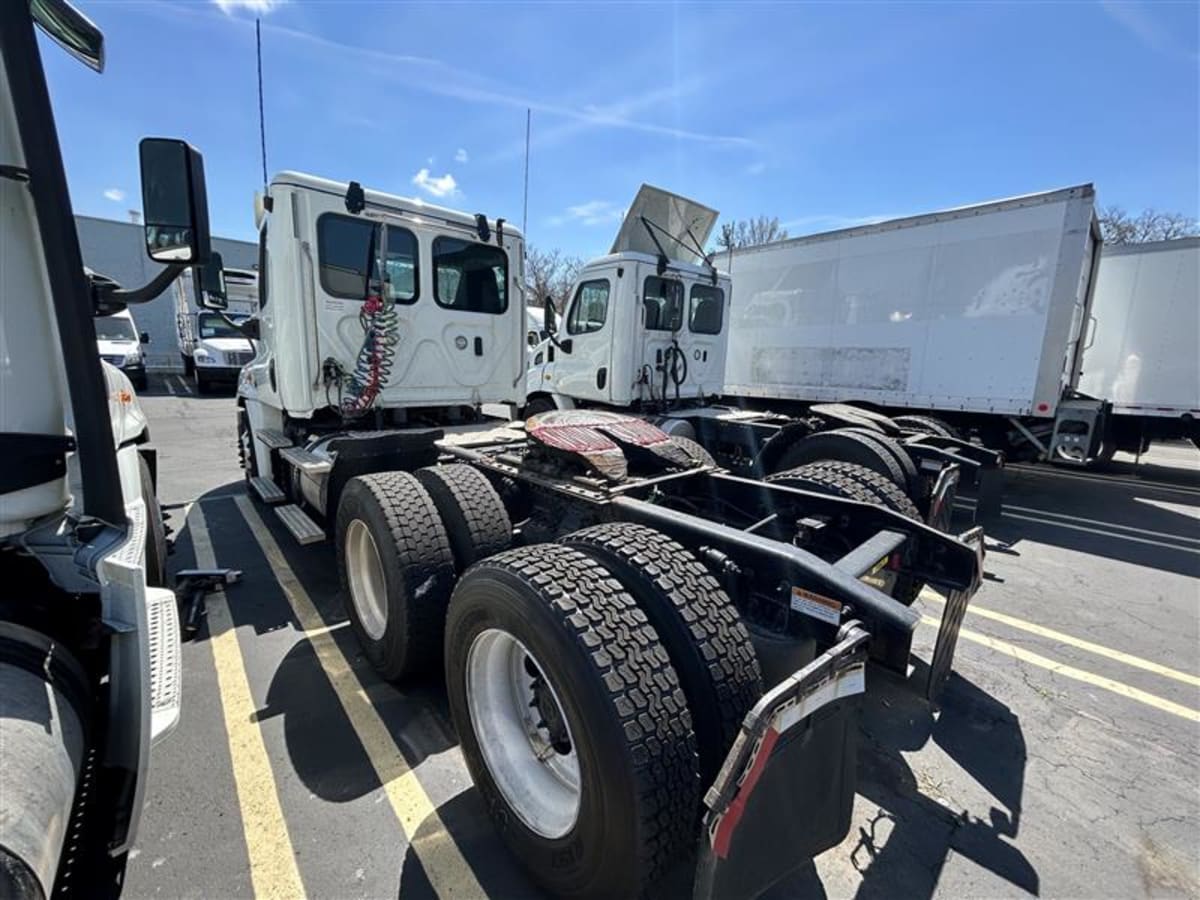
{"x": 1143, "y": 524}
{"x": 902, "y": 849}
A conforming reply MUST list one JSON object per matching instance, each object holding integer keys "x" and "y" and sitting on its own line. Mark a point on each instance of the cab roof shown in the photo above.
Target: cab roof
{"x": 413, "y": 206}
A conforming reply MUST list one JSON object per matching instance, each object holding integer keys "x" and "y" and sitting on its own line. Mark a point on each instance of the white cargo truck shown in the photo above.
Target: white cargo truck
{"x": 211, "y": 347}
{"x": 1144, "y": 354}
{"x": 89, "y": 637}
{"x": 977, "y": 316}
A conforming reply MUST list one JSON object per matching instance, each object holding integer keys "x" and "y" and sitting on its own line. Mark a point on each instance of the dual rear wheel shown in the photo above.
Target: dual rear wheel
{"x": 596, "y": 684}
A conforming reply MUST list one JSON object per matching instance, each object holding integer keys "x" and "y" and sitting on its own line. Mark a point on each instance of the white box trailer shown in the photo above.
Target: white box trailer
{"x": 1145, "y": 353}
{"x": 974, "y": 314}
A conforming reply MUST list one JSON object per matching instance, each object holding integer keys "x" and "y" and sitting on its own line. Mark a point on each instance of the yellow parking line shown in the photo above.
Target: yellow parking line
{"x": 273, "y": 869}
{"x": 1099, "y": 649}
{"x": 1108, "y": 684}
{"x": 441, "y": 859}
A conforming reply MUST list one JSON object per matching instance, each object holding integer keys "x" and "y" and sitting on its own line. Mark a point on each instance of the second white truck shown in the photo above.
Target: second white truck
{"x": 210, "y": 345}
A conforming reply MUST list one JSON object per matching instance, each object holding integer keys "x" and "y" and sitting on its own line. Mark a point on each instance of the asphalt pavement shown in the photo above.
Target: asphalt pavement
{"x": 1064, "y": 761}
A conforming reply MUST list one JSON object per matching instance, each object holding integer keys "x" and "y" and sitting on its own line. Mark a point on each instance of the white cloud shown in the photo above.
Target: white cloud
{"x": 439, "y": 186}
{"x": 258, "y": 7}
{"x": 594, "y": 212}
{"x": 116, "y": 195}
{"x": 1139, "y": 21}
{"x": 461, "y": 156}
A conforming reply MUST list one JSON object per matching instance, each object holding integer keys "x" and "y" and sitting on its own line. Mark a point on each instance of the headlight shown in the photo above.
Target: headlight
{"x": 206, "y": 358}
{"x": 133, "y": 358}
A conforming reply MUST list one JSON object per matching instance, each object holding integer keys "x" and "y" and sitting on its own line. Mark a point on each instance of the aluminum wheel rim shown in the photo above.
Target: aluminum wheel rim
{"x": 368, "y": 588}
{"x": 541, "y": 784}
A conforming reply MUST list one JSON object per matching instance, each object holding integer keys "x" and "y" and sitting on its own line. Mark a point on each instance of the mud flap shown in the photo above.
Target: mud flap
{"x": 952, "y": 619}
{"x": 785, "y": 791}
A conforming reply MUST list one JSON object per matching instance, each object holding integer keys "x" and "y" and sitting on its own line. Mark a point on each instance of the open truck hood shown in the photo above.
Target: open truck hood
{"x": 673, "y": 214}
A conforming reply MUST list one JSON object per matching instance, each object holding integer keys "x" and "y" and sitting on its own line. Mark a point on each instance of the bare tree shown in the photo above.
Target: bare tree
{"x": 751, "y": 232}
{"x": 549, "y": 274}
{"x": 1119, "y": 227}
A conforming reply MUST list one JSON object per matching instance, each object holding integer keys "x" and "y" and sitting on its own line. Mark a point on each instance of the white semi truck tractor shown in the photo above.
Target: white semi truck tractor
{"x": 89, "y": 638}
{"x": 648, "y": 660}
{"x": 645, "y": 330}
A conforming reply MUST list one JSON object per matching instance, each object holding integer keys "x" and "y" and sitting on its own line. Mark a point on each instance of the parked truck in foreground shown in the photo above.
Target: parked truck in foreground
{"x": 977, "y": 316}
{"x": 1144, "y": 355}
{"x": 210, "y": 345}
{"x": 89, "y": 638}
{"x": 646, "y": 657}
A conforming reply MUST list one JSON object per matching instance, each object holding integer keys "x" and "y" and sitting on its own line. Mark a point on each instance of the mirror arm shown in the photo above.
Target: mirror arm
{"x": 146, "y": 292}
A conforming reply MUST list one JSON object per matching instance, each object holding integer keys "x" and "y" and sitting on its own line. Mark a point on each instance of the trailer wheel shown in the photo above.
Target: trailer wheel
{"x": 697, "y": 623}
{"x": 883, "y": 491}
{"x": 930, "y": 424}
{"x": 844, "y": 445}
{"x": 156, "y": 531}
{"x": 694, "y": 449}
{"x": 476, "y": 522}
{"x": 572, "y": 722}
{"x": 893, "y": 447}
{"x": 396, "y": 571}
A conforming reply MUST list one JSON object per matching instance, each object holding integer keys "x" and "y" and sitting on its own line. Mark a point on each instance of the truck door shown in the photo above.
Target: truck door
{"x": 662, "y": 309}
{"x": 583, "y": 363}
{"x": 704, "y": 344}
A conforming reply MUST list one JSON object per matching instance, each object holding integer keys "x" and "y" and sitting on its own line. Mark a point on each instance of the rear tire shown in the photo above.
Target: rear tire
{"x": 843, "y": 445}
{"x": 929, "y": 424}
{"x": 912, "y": 482}
{"x": 156, "y": 531}
{"x": 883, "y": 491}
{"x": 694, "y": 449}
{"x": 866, "y": 486}
{"x": 605, "y": 694}
{"x": 396, "y": 571}
{"x": 476, "y": 522}
{"x": 697, "y": 623}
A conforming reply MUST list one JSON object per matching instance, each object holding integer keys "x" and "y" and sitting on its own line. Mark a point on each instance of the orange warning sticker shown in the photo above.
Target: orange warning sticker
{"x": 824, "y": 608}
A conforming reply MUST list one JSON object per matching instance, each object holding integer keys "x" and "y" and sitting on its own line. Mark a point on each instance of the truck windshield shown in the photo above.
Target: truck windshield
{"x": 212, "y": 325}
{"x": 114, "y": 328}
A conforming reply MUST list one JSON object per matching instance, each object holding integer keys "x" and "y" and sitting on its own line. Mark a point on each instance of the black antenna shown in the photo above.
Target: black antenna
{"x": 262, "y": 125}
{"x": 525, "y": 208}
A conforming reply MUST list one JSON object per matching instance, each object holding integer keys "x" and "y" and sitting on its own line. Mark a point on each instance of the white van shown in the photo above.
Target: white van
{"x": 120, "y": 344}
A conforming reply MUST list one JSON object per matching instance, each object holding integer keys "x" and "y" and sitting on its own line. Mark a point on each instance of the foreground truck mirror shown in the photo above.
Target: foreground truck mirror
{"x": 212, "y": 284}
{"x": 174, "y": 202}
{"x": 551, "y": 322}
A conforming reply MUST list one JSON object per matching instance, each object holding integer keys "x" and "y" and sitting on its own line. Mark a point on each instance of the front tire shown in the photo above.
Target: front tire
{"x": 545, "y": 625}
{"x": 201, "y": 383}
{"x": 396, "y": 571}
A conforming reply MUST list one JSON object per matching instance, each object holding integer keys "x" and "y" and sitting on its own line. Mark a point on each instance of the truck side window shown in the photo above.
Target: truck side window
{"x": 470, "y": 276}
{"x": 590, "y": 311}
{"x": 343, "y": 243}
{"x": 262, "y": 267}
{"x": 662, "y": 302}
{"x": 705, "y": 309}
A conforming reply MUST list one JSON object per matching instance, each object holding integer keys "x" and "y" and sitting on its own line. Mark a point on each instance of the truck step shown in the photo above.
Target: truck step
{"x": 162, "y": 621}
{"x": 267, "y": 490}
{"x": 273, "y": 438}
{"x": 309, "y": 463}
{"x": 296, "y": 520}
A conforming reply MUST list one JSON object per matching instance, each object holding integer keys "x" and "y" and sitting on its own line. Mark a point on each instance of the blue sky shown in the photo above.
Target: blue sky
{"x": 824, "y": 115}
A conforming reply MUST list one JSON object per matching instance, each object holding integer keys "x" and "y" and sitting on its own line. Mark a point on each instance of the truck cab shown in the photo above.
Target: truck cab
{"x": 211, "y": 346}
{"x": 120, "y": 344}
{"x": 645, "y": 324}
